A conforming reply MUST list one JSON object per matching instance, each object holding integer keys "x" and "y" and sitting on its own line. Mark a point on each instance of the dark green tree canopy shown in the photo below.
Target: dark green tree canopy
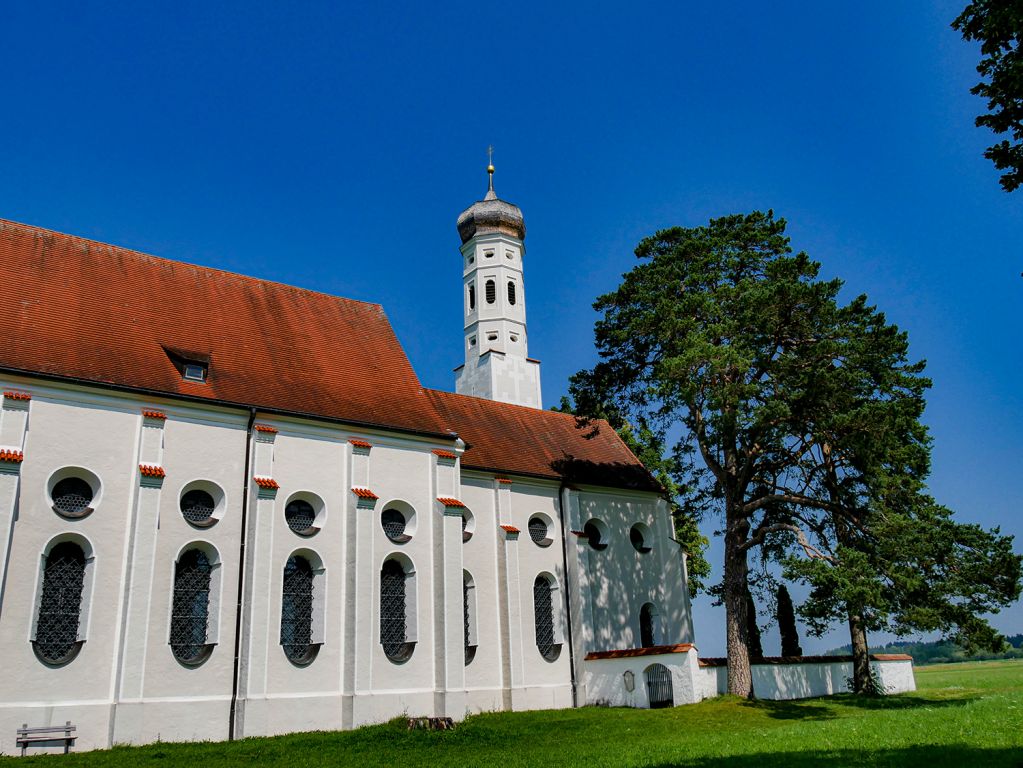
{"x": 998, "y": 25}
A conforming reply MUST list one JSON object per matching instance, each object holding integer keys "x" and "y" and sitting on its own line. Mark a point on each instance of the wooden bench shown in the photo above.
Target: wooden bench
{"x": 49, "y": 733}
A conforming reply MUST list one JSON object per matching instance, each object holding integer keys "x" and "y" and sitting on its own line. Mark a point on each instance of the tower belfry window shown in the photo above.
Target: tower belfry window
{"x": 491, "y": 290}
{"x": 511, "y": 292}
{"x": 472, "y": 296}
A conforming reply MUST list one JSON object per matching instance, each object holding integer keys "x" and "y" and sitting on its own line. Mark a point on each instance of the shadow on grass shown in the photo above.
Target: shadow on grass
{"x": 807, "y": 709}
{"x": 958, "y": 755}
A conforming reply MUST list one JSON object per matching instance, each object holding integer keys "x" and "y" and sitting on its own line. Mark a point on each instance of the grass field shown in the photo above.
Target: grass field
{"x": 963, "y": 715}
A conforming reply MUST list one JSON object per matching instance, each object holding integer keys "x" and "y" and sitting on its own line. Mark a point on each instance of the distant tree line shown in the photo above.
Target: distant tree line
{"x": 940, "y": 651}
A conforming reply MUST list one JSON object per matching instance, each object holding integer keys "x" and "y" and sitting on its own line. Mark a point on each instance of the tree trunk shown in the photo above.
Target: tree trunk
{"x": 734, "y": 590}
{"x": 861, "y": 653}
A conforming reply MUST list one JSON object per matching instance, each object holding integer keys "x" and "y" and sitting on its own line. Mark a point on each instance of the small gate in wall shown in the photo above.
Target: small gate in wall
{"x": 658, "y": 685}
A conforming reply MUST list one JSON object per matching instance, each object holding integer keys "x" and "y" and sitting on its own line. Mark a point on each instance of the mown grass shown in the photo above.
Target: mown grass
{"x": 962, "y": 715}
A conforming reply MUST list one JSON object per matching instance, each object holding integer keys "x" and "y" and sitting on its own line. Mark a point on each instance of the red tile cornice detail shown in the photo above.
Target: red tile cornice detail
{"x": 509, "y": 529}
{"x": 444, "y": 454}
{"x": 364, "y": 493}
{"x": 160, "y": 415}
{"x": 12, "y": 395}
{"x": 14, "y": 457}
{"x": 447, "y": 501}
{"x": 626, "y": 653}
{"x": 152, "y": 470}
{"x": 360, "y": 443}
{"x": 504, "y": 480}
{"x": 265, "y": 428}
{"x": 266, "y": 482}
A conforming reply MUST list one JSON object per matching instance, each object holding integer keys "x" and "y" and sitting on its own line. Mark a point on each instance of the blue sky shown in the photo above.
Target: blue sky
{"x": 332, "y": 146}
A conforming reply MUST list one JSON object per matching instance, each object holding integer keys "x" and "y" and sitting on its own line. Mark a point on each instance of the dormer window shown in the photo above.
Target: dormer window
{"x": 195, "y": 372}
{"x": 193, "y": 366}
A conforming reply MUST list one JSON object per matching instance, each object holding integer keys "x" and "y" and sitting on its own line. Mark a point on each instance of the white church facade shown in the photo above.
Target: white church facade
{"x": 228, "y": 508}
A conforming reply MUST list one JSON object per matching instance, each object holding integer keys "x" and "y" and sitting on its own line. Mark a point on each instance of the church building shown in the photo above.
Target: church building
{"x": 228, "y": 508}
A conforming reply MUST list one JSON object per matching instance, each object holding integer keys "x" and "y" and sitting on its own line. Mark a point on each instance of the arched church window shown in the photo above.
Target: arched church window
{"x": 543, "y": 619}
{"x": 511, "y": 292}
{"x": 472, "y": 296}
{"x": 297, "y": 611}
{"x": 491, "y": 291}
{"x": 393, "y": 612}
{"x": 190, "y": 611}
{"x": 469, "y": 616}
{"x": 56, "y": 635}
{"x": 647, "y": 634}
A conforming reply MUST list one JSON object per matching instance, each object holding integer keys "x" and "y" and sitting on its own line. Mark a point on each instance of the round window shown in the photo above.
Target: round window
{"x": 197, "y": 507}
{"x": 394, "y": 524}
{"x": 301, "y": 517}
{"x": 595, "y": 536}
{"x": 638, "y": 535}
{"x": 539, "y": 531}
{"x": 468, "y": 525}
{"x": 72, "y": 497}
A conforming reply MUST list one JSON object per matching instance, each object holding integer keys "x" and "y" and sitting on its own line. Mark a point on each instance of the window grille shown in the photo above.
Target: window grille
{"x": 191, "y": 607}
{"x": 71, "y": 497}
{"x": 594, "y": 536}
{"x": 60, "y": 606}
{"x": 470, "y": 650}
{"x": 393, "y": 632}
{"x": 511, "y": 292}
{"x": 646, "y": 626}
{"x": 297, "y": 610}
{"x": 197, "y": 507}
{"x": 394, "y": 523}
{"x": 491, "y": 291}
{"x": 538, "y": 532}
{"x": 543, "y": 619}
{"x": 300, "y": 516}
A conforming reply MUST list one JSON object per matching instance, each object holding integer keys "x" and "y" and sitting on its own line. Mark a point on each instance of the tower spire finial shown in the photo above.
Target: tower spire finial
{"x": 490, "y": 167}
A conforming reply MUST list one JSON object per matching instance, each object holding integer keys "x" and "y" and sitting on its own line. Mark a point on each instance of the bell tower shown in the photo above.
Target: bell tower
{"x": 497, "y": 363}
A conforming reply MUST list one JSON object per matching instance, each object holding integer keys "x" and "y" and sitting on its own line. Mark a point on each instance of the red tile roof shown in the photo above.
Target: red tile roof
{"x": 11, "y": 395}
{"x": 265, "y": 428}
{"x": 15, "y": 457}
{"x": 151, "y": 470}
{"x": 628, "y": 653}
{"x": 512, "y": 438}
{"x": 85, "y": 311}
{"x": 364, "y": 493}
{"x": 79, "y": 309}
{"x": 360, "y": 443}
{"x": 444, "y": 454}
{"x": 158, "y": 415}
{"x": 266, "y": 482}
{"x": 447, "y": 501}
{"x": 509, "y": 529}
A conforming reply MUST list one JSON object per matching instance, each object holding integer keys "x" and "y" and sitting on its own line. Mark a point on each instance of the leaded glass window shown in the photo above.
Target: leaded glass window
{"x": 543, "y": 619}
{"x": 197, "y": 507}
{"x": 72, "y": 497}
{"x": 511, "y": 292}
{"x": 490, "y": 288}
{"x": 300, "y": 516}
{"x": 393, "y": 618}
{"x": 190, "y": 610}
{"x": 470, "y": 650}
{"x": 538, "y": 531}
{"x": 60, "y": 605}
{"x": 297, "y": 611}
{"x": 394, "y": 523}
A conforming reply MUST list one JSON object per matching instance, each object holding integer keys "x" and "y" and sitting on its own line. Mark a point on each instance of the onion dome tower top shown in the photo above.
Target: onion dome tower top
{"x": 491, "y": 215}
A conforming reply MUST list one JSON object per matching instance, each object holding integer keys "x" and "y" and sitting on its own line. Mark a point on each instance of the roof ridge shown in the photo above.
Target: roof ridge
{"x": 511, "y": 406}
{"x": 177, "y": 262}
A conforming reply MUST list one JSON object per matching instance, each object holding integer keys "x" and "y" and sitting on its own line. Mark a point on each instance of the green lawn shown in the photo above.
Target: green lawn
{"x": 963, "y": 715}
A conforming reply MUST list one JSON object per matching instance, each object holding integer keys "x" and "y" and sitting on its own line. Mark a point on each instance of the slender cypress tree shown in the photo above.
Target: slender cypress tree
{"x": 787, "y": 624}
{"x": 756, "y": 648}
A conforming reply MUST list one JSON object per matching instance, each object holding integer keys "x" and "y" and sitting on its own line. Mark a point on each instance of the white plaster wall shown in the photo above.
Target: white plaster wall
{"x": 783, "y": 682}
{"x": 605, "y": 679}
{"x": 895, "y": 676}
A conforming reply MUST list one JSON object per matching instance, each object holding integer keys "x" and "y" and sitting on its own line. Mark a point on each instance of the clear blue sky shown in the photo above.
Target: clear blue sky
{"x": 332, "y": 146}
